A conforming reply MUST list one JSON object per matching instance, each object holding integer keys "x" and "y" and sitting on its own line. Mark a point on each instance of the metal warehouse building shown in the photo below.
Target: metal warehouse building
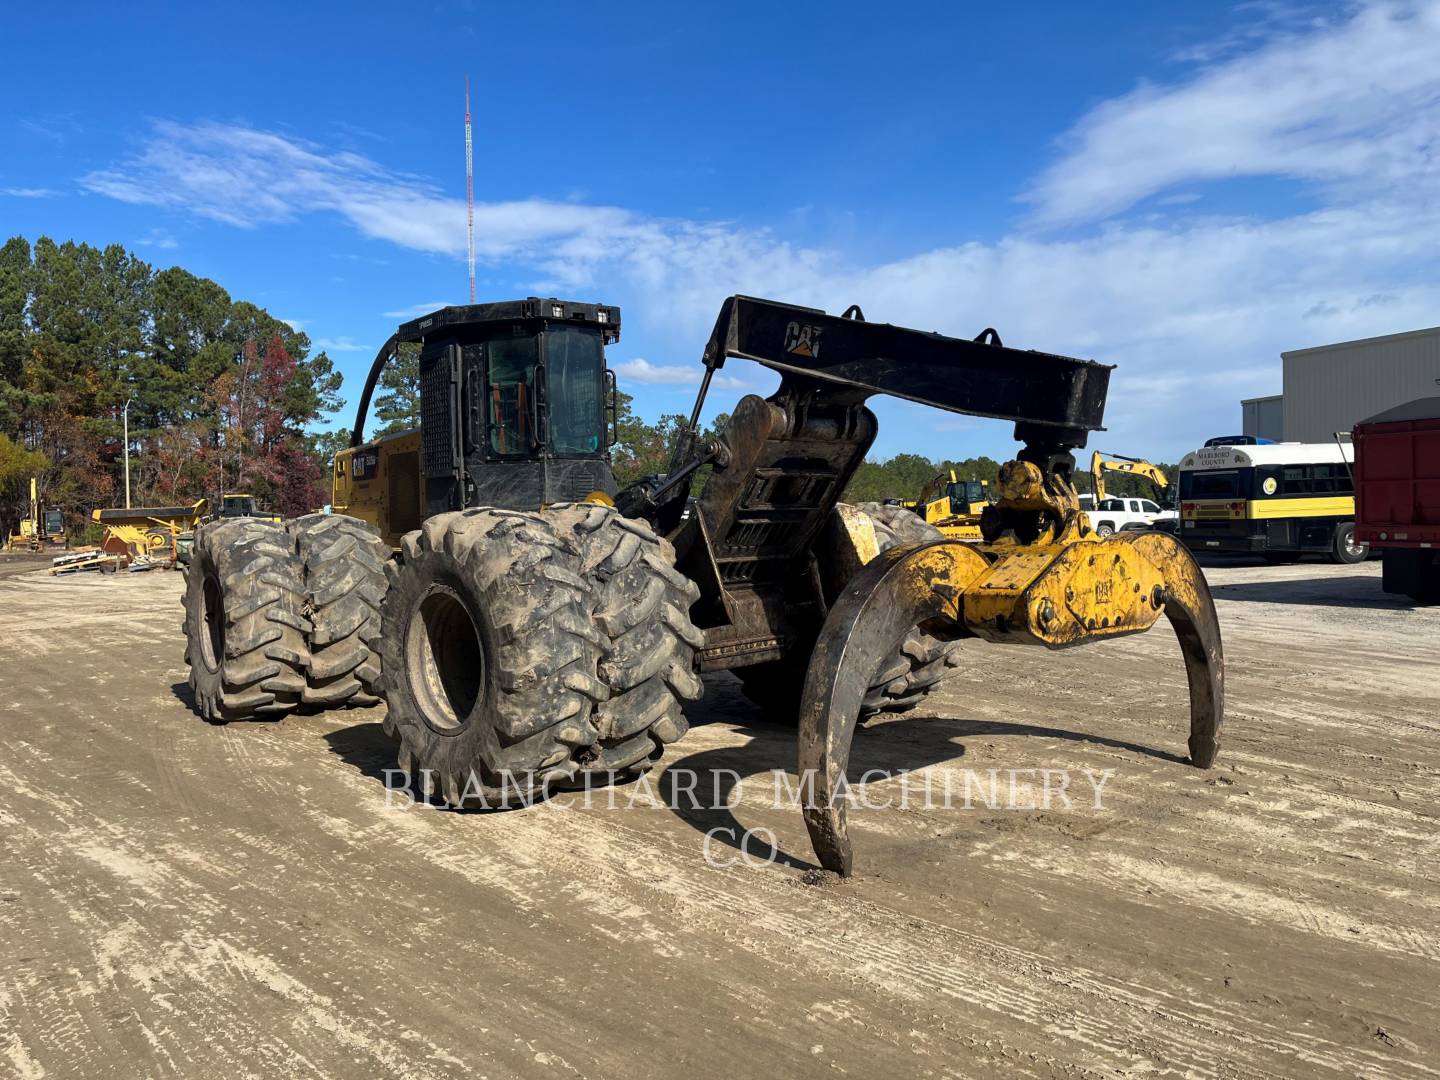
{"x": 1330, "y": 387}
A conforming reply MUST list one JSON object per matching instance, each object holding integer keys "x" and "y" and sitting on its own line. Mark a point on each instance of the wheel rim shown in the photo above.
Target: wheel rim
{"x": 1353, "y": 548}
{"x": 445, "y": 663}
{"x": 212, "y": 636}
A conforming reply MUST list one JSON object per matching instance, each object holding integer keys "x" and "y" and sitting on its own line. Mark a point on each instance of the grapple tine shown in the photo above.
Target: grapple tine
{"x": 900, "y": 589}
{"x": 1191, "y": 612}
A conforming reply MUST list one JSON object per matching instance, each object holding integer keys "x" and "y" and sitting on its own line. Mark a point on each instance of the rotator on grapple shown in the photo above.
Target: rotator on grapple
{"x": 537, "y": 622}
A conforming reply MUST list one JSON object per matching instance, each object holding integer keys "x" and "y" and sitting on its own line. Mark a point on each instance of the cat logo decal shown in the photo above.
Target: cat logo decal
{"x": 802, "y": 340}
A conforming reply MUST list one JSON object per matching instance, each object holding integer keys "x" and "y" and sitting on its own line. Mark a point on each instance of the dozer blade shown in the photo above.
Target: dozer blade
{"x": 1055, "y": 595}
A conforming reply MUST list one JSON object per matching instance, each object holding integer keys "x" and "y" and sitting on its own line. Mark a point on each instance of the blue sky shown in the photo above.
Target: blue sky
{"x": 1181, "y": 190}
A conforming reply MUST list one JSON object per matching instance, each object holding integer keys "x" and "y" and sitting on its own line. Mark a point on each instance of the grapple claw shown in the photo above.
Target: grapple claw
{"x": 902, "y": 588}
{"x": 1057, "y": 595}
{"x": 1191, "y": 612}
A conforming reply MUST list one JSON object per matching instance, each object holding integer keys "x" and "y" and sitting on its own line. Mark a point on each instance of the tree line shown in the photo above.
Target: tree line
{"x": 224, "y": 397}
{"x": 221, "y": 394}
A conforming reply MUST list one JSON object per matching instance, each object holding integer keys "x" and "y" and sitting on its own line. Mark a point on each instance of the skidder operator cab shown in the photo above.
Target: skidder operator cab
{"x": 517, "y": 409}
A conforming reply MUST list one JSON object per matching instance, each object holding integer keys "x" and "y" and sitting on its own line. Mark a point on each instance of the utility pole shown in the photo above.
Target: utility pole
{"x": 125, "y": 418}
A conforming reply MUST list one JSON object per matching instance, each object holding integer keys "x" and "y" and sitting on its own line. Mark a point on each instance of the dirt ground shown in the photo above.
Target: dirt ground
{"x": 184, "y": 899}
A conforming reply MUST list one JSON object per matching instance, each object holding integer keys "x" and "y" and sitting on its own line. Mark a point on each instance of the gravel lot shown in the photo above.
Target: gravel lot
{"x": 184, "y": 899}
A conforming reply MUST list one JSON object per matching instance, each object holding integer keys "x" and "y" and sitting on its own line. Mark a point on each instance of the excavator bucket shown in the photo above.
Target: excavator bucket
{"x": 1054, "y": 594}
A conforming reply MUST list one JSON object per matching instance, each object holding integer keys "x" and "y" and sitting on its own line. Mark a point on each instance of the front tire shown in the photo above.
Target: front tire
{"x": 641, "y": 605}
{"x": 488, "y": 657}
{"x": 244, "y": 621}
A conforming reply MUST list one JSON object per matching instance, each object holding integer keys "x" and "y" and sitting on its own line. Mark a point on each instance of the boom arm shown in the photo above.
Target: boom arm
{"x": 1101, "y": 463}
{"x": 1053, "y": 399}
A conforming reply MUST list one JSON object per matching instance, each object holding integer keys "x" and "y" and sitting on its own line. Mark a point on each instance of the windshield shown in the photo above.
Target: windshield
{"x": 1215, "y": 484}
{"x": 963, "y": 493}
{"x": 241, "y": 506}
{"x": 511, "y": 394}
{"x": 574, "y": 374}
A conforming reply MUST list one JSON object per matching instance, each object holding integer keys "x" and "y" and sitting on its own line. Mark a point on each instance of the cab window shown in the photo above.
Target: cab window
{"x": 510, "y": 395}
{"x": 574, "y": 390}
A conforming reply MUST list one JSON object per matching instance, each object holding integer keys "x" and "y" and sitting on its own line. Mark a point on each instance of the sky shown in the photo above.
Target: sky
{"x": 1182, "y": 190}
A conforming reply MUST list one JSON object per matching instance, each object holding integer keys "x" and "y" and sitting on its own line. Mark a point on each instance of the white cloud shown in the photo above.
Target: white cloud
{"x": 1194, "y": 309}
{"x": 340, "y": 345}
{"x": 1351, "y": 105}
{"x": 642, "y": 371}
{"x": 158, "y": 238}
{"x": 28, "y": 192}
{"x": 414, "y": 311}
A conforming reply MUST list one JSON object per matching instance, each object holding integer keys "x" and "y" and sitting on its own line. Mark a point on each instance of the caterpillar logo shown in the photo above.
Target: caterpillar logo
{"x": 802, "y": 340}
{"x": 1102, "y": 591}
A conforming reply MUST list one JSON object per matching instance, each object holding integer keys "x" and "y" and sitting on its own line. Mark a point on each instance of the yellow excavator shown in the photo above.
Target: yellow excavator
{"x": 40, "y": 528}
{"x": 1101, "y": 463}
{"x": 953, "y": 506}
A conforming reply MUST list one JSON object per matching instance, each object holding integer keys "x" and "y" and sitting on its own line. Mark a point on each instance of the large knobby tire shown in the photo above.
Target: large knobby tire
{"x": 908, "y": 674}
{"x": 641, "y": 605}
{"x": 922, "y": 659}
{"x": 245, "y": 621}
{"x": 344, "y": 565}
{"x": 488, "y": 657}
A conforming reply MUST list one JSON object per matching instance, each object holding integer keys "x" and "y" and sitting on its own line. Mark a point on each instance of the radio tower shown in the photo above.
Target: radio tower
{"x": 469, "y": 192}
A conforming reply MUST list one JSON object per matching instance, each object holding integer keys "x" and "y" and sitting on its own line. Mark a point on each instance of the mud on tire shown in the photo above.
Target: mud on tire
{"x": 908, "y": 674}
{"x": 488, "y": 656}
{"x": 641, "y": 605}
{"x": 244, "y": 623}
{"x": 344, "y": 561}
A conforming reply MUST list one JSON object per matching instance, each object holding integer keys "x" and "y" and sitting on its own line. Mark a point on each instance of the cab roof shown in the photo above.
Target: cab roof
{"x": 543, "y": 309}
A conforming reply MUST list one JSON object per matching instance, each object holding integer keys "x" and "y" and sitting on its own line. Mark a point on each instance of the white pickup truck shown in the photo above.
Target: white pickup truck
{"x": 1115, "y": 513}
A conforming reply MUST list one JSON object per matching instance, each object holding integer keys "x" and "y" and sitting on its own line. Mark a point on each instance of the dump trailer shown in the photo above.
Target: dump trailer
{"x": 1397, "y": 496}
{"x": 532, "y": 625}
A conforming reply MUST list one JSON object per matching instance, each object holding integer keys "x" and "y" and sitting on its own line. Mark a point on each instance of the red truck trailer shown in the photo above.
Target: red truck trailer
{"x": 1397, "y": 495}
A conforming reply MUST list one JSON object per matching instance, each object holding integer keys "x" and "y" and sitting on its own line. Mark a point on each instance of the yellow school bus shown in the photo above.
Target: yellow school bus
{"x": 1279, "y": 500}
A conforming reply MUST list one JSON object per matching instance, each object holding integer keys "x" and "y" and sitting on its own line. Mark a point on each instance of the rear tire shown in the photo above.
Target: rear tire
{"x": 906, "y": 676}
{"x": 488, "y": 657}
{"x": 641, "y": 606}
{"x": 344, "y": 566}
{"x": 1344, "y": 548}
{"x": 1104, "y": 529}
{"x": 245, "y": 625}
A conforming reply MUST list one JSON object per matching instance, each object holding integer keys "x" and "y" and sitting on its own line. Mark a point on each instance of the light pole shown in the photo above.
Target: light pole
{"x": 125, "y": 420}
